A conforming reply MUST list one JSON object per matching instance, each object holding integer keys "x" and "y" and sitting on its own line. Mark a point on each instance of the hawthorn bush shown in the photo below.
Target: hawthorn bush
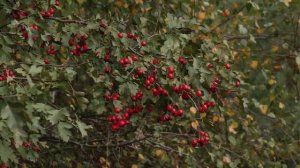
{"x": 121, "y": 83}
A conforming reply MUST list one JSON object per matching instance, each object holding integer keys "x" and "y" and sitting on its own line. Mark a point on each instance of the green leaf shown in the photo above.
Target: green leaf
{"x": 34, "y": 70}
{"x": 64, "y": 131}
{"x": 82, "y": 128}
{"x": 232, "y": 140}
{"x": 57, "y": 115}
{"x": 6, "y": 153}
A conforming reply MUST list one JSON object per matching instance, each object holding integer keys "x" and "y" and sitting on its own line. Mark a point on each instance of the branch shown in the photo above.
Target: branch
{"x": 54, "y": 140}
{"x": 229, "y": 18}
{"x": 67, "y": 20}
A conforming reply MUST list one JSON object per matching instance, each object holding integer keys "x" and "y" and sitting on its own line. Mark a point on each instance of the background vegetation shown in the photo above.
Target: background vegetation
{"x": 54, "y": 111}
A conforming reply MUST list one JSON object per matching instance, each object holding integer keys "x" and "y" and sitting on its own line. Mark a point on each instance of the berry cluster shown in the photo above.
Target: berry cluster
{"x": 51, "y": 49}
{"x": 184, "y": 90}
{"x": 6, "y": 73}
{"x": 213, "y": 87}
{"x": 202, "y": 140}
{"x": 120, "y": 121}
{"x": 173, "y": 111}
{"x": 139, "y": 72}
{"x": 124, "y": 62}
{"x": 48, "y": 13}
{"x": 182, "y": 60}
{"x": 157, "y": 91}
{"x": 165, "y": 118}
{"x": 111, "y": 97}
{"x": 138, "y": 96}
{"x": 150, "y": 80}
{"x": 81, "y": 46}
{"x": 171, "y": 72}
{"x": 203, "y": 107}
{"x": 19, "y": 14}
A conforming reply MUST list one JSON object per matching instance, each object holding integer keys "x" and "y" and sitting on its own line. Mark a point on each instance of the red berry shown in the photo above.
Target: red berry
{"x": 143, "y": 43}
{"x": 85, "y": 48}
{"x": 182, "y": 60}
{"x": 107, "y": 70}
{"x": 139, "y": 71}
{"x": 117, "y": 110}
{"x": 71, "y": 42}
{"x": 154, "y": 61}
{"x": 199, "y": 93}
{"x": 51, "y": 11}
{"x": 170, "y": 75}
{"x": 129, "y": 35}
{"x": 3, "y": 165}
{"x": 134, "y": 58}
{"x": 227, "y": 66}
{"x": 170, "y": 69}
{"x": 237, "y": 83}
{"x": 120, "y": 35}
{"x": 84, "y": 37}
{"x": 56, "y": 2}
{"x": 46, "y": 61}
{"x": 210, "y": 66}
{"x": 194, "y": 142}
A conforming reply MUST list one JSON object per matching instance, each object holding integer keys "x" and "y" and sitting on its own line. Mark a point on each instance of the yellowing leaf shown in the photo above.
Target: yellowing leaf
{"x": 274, "y": 49}
{"x": 215, "y": 118}
{"x": 232, "y": 127}
{"x": 230, "y": 113}
{"x": 253, "y": 64}
{"x": 287, "y": 2}
{"x": 249, "y": 117}
{"x": 141, "y": 156}
{"x": 226, "y": 159}
{"x": 260, "y": 30}
{"x": 139, "y": 1}
{"x": 272, "y": 81}
{"x": 272, "y": 97}
{"x": 281, "y": 105}
{"x": 201, "y": 16}
{"x": 298, "y": 60}
{"x": 158, "y": 152}
{"x": 134, "y": 166}
{"x": 195, "y": 124}
{"x": 202, "y": 115}
{"x": 193, "y": 110}
{"x": 263, "y": 108}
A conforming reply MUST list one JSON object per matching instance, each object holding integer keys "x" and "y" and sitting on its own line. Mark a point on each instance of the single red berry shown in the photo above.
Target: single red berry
{"x": 107, "y": 70}
{"x": 199, "y": 93}
{"x": 117, "y": 110}
{"x": 51, "y": 11}
{"x": 3, "y": 165}
{"x": 84, "y": 37}
{"x": 56, "y": 2}
{"x": 134, "y": 58}
{"x": 227, "y": 66}
{"x": 170, "y": 69}
{"x": 129, "y": 35}
{"x": 120, "y": 35}
{"x": 154, "y": 61}
{"x": 46, "y": 61}
{"x": 143, "y": 43}
{"x": 170, "y": 75}
{"x": 139, "y": 71}
{"x": 194, "y": 142}
{"x": 237, "y": 83}
{"x": 85, "y": 48}
{"x": 210, "y": 66}
{"x": 71, "y": 42}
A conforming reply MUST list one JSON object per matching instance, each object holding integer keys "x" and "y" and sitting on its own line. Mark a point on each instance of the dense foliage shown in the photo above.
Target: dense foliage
{"x": 119, "y": 83}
